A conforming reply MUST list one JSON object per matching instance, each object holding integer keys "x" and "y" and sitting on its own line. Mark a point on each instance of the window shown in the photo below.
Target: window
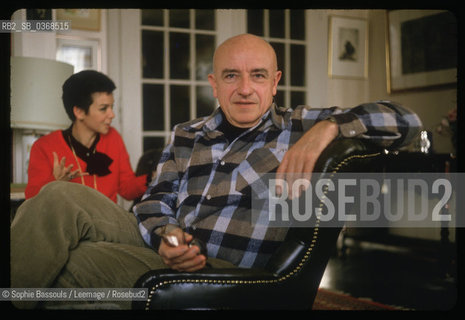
{"x": 285, "y": 30}
{"x": 177, "y": 48}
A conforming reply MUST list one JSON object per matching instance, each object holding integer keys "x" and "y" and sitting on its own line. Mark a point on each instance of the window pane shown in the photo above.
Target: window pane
{"x": 279, "y": 98}
{"x": 297, "y": 65}
{"x": 297, "y": 98}
{"x": 152, "y": 105}
{"x": 152, "y": 54}
{"x": 277, "y": 23}
{"x": 297, "y": 24}
{"x": 255, "y": 22}
{"x": 279, "y": 49}
{"x": 179, "y": 55}
{"x": 205, "y": 47}
{"x": 151, "y": 143}
{"x": 152, "y": 17}
{"x": 206, "y": 103}
{"x": 179, "y": 18}
{"x": 205, "y": 19}
{"x": 180, "y": 110}
{"x": 79, "y": 56}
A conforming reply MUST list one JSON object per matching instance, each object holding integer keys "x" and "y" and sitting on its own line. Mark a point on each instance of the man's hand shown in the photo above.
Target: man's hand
{"x": 299, "y": 161}
{"x": 182, "y": 257}
{"x": 61, "y": 172}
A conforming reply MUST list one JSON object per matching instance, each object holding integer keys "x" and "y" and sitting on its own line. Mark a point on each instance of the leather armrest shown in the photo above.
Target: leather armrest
{"x": 287, "y": 257}
{"x": 208, "y": 288}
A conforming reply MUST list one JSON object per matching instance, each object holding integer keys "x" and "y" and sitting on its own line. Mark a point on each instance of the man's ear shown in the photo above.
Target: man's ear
{"x": 277, "y": 77}
{"x": 78, "y": 113}
{"x": 212, "y": 80}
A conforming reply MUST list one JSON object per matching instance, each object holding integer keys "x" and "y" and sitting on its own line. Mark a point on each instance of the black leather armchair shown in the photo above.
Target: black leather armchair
{"x": 290, "y": 279}
{"x": 146, "y": 165}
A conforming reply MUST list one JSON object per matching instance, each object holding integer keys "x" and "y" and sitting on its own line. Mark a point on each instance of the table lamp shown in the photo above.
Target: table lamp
{"x": 36, "y": 93}
{"x": 36, "y": 105}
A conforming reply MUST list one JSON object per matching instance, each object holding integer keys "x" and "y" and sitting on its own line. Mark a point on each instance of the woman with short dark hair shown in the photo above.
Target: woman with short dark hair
{"x": 90, "y": 151}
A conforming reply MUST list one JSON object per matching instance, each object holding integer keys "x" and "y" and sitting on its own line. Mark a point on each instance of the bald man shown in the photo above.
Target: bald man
{"x": 244, "y": 80}
{"x": 199, "y": 195}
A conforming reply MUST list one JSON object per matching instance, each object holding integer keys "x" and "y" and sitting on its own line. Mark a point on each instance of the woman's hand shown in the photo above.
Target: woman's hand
{"x": 63, "y": 173}
{"x": 182, "y": 257}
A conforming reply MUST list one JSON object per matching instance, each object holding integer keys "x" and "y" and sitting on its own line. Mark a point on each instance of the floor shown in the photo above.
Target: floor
{"x": 409, "y": 277}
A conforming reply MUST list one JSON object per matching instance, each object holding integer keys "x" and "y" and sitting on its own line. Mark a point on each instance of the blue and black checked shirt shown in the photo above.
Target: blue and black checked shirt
{"x": 201, "y": 180}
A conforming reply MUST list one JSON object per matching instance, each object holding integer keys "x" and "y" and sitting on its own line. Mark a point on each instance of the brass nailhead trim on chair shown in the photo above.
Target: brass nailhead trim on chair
{"x": 287, "y": 276}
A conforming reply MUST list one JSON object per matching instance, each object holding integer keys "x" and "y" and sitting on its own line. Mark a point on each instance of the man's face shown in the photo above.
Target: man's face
{"x": 245, "y": 79}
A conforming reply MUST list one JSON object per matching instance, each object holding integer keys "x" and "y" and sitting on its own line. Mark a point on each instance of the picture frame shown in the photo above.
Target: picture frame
{"x": 81, "y": 19}
{"x": 82, "y": 53}
{"x": 39, "y": 14}
{"x": 347, "y": 47}
{"x": 421, "y": 50}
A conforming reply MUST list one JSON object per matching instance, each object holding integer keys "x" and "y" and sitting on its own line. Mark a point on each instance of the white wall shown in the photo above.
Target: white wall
{"x": 325, "y": 91}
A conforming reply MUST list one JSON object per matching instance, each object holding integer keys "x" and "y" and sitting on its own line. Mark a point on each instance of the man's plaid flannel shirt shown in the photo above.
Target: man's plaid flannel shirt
{"x": 199, "y": 182}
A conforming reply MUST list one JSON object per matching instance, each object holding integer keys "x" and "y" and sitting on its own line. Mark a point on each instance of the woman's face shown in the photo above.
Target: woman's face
{"x": 100, "y": 114}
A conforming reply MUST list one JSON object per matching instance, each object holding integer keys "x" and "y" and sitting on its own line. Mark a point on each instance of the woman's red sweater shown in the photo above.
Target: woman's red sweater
{"x": 121, "y": 180}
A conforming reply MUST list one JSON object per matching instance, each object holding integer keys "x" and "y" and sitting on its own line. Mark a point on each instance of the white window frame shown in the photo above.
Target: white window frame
{"x": 287, "y": 41}
{"x": 124, "y": 67}
{"x": 192, "y": 82}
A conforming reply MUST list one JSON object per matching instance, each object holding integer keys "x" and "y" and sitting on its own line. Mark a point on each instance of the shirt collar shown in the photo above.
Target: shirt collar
{"x": 278, "y": 116}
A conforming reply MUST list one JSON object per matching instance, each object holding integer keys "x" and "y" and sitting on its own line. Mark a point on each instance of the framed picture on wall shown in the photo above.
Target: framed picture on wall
{"x": 39, "y": 14}
{"x": 348, "y": 47}
{"x": 421, "y": 49}
{"x": 81, "y": 19}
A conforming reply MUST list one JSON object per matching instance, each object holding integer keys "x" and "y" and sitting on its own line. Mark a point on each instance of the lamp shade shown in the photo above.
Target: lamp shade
{"x": 36, "y": 93}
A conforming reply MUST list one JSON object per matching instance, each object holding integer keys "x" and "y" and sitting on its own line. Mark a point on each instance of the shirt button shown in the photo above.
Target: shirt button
{"x": 222, "y": 162}
{"x": 208, "y": 197}
{"x": 352, "y": 132}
